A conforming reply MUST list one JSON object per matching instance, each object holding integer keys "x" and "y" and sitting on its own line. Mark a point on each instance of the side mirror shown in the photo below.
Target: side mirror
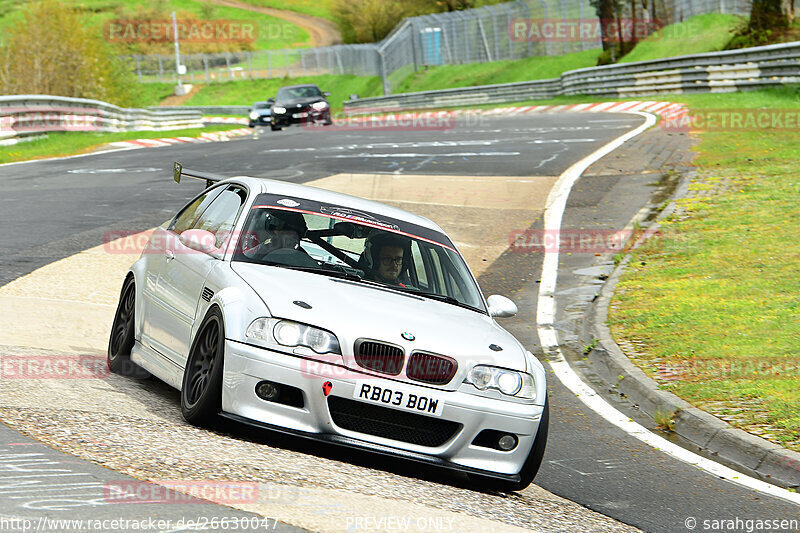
{"x": 200, "y": 240}
{"x": 501, "y": 307}
{"x": 270, "y": 100}
{"x": 326, "y": 94}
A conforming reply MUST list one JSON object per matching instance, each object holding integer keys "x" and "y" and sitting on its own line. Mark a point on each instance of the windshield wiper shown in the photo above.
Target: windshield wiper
{"x": 351, "y": 276}
{"x": 441, "y": 297}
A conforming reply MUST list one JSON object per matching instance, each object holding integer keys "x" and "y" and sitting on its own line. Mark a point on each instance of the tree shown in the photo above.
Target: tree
{"x": 606, "y": 13}
{"x": 52, "y": 51}
{"x": 767, "y": 15}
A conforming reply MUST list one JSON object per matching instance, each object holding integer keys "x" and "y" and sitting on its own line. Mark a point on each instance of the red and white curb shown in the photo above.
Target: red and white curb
{"x": 221, "y": 136}
{"x": 225, "y": 120}
{"x": 666, "y": 110}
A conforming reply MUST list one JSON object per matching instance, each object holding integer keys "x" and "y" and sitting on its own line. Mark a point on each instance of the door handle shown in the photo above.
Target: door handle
{"x": 170, "y": 255}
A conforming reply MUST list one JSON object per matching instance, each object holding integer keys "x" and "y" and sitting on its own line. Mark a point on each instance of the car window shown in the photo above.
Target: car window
{"x": 419, "y": 266}
{"x": 187, "y": 216}
{"x": 293, "y": 232}
{"x": 298, "y": 92}
{"x": 220, "y": 217}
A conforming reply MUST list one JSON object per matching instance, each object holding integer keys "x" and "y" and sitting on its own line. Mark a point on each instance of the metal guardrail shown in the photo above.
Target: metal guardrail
{"x": 727, "y": 71}
{"x": 207, "y": 110}
{"x": 27, "y": 115}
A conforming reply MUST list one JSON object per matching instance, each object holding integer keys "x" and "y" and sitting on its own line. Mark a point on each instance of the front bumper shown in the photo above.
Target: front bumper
{"x": 263, "y": 120}
{"x": 246, "y": 366}
{"x": 303, "y": 116}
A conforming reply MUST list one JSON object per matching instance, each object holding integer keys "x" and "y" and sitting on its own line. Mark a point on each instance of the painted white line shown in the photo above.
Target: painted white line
{"x": 366, "y": 155}
{"x": 545, "y": 319}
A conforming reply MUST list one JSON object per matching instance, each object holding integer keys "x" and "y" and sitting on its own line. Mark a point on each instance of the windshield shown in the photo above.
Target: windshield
{"x": 261, "y": 105}
{"x": 361, "y": 246}
{"x": 291, "y": 93}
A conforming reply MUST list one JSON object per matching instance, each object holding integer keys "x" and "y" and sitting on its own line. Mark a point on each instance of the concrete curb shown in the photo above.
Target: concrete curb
{"x": 736, "y": 448}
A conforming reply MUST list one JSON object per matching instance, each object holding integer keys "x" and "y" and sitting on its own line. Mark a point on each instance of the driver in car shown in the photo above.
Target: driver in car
{"x": 284, "y": 230}
{"x": 387, "y": 258}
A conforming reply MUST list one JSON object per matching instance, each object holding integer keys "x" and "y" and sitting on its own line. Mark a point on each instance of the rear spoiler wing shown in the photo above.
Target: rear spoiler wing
{"x": 178, "y": 171}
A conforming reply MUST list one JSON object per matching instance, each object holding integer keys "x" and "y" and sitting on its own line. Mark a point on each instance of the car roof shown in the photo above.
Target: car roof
{"x": 297, "y": 190}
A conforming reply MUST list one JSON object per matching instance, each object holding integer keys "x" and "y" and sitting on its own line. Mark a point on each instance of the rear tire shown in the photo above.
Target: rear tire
{"x": 531, "y": 465}
{"x": 201, "y": 392}
{"x": 122, "y": 338}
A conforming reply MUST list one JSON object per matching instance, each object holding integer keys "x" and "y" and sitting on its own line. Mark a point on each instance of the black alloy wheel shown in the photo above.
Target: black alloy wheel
{"x": 201, "y": 393}
{"x": 121, "y": 341}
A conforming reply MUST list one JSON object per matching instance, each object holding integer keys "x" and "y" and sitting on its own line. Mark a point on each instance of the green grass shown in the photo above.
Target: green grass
{"x": 71, "y": 143}
{"x": 717, "y": 295}
{"x": 247, "y": 92}
{"x": 149, "y": 94}
{"x": 699, "y": 34}
{"x": 273, "y": 33}
{"x": 317, "y": 8}
{"x": 531, "y": 68}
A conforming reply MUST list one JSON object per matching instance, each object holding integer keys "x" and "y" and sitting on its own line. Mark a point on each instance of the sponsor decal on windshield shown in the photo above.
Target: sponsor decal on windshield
{"x": 311, "y": 207}
{"x": 365, "y": 218}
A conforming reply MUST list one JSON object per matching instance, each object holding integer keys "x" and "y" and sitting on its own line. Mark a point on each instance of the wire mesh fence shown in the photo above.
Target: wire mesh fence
{"x": 512, "y": 30}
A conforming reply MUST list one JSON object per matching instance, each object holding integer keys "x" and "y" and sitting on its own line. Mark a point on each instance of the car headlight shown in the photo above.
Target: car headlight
{"x": 254, "y": 115}
{"x": 289, "y": 333}
{"x": 320, "y": 106}
{"x": 278, "y": 109}
{"x": 509, "y": 382}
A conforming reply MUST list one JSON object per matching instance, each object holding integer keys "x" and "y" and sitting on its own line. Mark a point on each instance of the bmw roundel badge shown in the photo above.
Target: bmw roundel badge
{"x": 407, "y": 336}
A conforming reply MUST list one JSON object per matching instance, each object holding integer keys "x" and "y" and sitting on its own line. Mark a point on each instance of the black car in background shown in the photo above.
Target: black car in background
{"x": 261, "y": 114}
{"x": 300, "y": 104}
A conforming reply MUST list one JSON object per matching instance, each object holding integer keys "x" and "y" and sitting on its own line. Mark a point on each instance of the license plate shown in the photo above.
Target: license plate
{"x": 398, "y": 397}
{"x": 300, "y": 115}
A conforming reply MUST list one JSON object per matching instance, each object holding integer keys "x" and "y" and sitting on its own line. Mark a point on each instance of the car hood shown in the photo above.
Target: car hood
{"x": 354, "y": 310}
{"x": 299, "y": 101}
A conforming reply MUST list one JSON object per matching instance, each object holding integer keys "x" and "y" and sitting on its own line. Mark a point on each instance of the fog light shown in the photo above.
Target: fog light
{"x": 267, "y": 390}
{"x": 507, "y": 442}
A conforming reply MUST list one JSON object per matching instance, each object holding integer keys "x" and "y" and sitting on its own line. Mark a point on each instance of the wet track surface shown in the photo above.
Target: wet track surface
{"x": 54, "y": 209}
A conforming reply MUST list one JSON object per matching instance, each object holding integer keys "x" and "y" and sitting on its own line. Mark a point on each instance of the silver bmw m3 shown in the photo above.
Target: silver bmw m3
{"x": 332, "y": 318}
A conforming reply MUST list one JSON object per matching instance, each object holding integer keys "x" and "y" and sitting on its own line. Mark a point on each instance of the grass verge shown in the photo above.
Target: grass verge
{"x": 72, "y": 143}
{"x": 696, "y": 35}
{"x": 531, "y": 68}
{"x": 713, "y": 304}
{"x": 245, "y": 93}
{"x": 316, "y": 8}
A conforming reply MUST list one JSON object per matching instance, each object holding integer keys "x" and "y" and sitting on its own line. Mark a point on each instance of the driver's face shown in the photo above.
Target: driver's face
{"x": 391, "y": 262}
{"x": 285, "y": 239}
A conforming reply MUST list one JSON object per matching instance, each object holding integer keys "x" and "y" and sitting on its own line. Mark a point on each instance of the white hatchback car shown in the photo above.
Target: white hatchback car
{"x": 334, "y": 318}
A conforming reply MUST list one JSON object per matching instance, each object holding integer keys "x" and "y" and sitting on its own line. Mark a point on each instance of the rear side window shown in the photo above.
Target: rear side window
{"x": 189, "y": 214}
{"x": 220, "y": 217}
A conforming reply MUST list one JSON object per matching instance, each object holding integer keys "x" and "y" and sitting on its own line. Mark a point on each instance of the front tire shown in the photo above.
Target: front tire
{"x": 122, "y": 339}
{"x": 531, "y": 465}
{"x": 273, "y": 127}
{"x": 201, "y": 392}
